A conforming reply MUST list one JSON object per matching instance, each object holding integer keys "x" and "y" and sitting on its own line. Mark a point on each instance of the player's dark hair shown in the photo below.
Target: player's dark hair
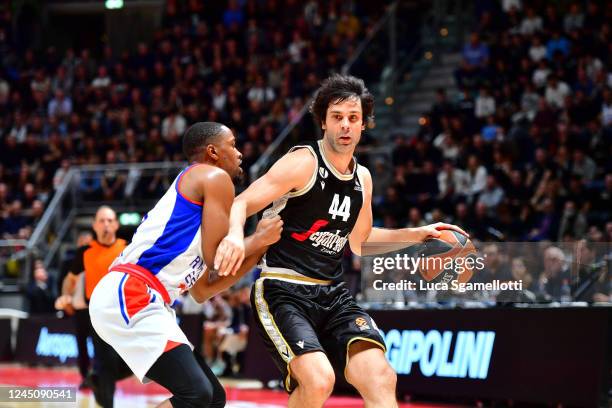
{"x": 198, "y": 136}
{"x": 336, "y": 89}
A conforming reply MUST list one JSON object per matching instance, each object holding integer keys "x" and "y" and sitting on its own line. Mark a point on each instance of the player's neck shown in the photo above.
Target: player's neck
{"x": 340, "y": 161}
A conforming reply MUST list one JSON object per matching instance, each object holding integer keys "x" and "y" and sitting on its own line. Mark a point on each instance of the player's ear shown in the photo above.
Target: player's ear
{"x": 323, "y": 125}
{"x": 211, "y": 151}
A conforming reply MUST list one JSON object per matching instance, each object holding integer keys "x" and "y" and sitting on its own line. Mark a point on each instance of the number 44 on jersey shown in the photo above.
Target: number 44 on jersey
{"x": 340, "y": 210}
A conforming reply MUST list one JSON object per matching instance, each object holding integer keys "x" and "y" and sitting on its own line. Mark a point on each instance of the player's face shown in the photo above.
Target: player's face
{"x": 230, "y": 158}
{"x": 343, "y": 125}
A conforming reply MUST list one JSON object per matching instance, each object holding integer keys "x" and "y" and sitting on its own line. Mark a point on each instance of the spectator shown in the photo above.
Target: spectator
{"x": 113, "y": 181}
{"x": 573, "y": 223}
{"x": 40, "y": 291}
{"x": 574, "y": 19}
{"x": 14, "y": 220}
{"x": 446, "y": 143}
{"x": 485, "y": 104}
{"x": 296, "y": 47}
{"x": 495, "y": 265}
{"x": 554, "y": 275}
{"x": 103, "y": 80}
{"x": 450, "y": 181}
{"x": 62, "y": 80}
{"x": 532, "y": 23}
{"x": 529, "y": 102}
{"x": 19, "y": 130}
{"x": 233, "y": 15}
{"x": 260, "y": 92}
{"x": 491, "y": 131}
{"x": 476, "y": 53}
{"x": 476, "y": 178}
{"x": 60, "y": 106}
{"x": 40, "y": 83}
{"x": 556, "y": 91}
{"x": 557, "y": 43}
{"x": 583, "y": 166}
{"x": 415, "y": 219}
{"x": 492, "y": 196}
{"x": 537, "y": 51}
{"x": 540, "y": 74}
{"x": 173, "y": 124}
{"x": 475, "y": 59}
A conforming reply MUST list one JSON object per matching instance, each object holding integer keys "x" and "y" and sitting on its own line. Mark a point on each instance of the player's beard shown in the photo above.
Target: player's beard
{"x": 337, "y": 147}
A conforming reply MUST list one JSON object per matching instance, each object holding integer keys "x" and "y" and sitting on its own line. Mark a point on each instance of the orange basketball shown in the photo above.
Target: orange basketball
{"x": 446, "y": 258}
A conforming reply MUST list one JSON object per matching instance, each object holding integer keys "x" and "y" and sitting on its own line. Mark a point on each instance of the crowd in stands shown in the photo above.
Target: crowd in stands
{"x": 523, "y": 152}
{"x": 250, "y": 65}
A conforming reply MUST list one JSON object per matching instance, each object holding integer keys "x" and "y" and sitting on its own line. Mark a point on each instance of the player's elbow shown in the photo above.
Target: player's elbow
{"x": 199, "y": 294}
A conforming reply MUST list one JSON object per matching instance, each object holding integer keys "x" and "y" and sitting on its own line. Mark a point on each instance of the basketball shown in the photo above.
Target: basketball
{"x": 447, "y": 258}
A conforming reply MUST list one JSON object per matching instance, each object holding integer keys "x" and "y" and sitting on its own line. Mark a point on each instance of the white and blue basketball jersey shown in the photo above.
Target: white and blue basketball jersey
{"x": 168, "y": 241}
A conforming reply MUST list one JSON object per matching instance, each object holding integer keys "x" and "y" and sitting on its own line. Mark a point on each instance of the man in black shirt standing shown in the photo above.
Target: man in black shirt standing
{"x": 306, "y": 315}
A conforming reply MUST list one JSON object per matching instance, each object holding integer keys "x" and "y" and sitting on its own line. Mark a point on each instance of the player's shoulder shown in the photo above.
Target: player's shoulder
{"x": 208, "y": 173}
{"x": 364, "y": 173}
{"x": 364, "y": 176}
{"x": 300, "y": 157}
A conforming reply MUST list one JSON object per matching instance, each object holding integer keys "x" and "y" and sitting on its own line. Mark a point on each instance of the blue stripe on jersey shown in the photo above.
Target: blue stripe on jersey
{"x": 178, "y": 233}
{"x": 121, "y": 304}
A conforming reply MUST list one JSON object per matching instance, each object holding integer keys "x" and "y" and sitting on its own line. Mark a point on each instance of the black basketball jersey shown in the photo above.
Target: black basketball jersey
{"x": 317, "y": 221}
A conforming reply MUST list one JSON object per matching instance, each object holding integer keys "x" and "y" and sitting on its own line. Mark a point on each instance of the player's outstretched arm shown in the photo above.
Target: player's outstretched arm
{"x": 291, "y": 172}
{"x": 364, "y": 232}
{"x": 268, "y": 232}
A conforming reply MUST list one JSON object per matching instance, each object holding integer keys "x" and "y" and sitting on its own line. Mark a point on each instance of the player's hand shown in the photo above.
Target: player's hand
{"x": 229, "y": 256}
{"x": 433, "y": 230}
{"x": 269, "y": 230}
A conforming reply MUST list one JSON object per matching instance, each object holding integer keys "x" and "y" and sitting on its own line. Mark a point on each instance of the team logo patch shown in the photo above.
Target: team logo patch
{"x": 362, "y": 324}
{"x": 357, "y": 185}
{"x": 323, "y": 172}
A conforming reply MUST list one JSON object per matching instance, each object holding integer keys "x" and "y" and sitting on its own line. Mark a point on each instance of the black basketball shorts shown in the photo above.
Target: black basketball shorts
{"x": 298, "y": 318}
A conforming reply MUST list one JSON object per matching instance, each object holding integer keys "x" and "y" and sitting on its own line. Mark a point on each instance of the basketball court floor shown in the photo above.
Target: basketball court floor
{"x": 131, "y": 394}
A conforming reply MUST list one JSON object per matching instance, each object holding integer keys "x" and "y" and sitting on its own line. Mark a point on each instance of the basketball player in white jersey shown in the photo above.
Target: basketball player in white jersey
{"x": 130, "y": 306}
{"x": 307, "y": 318}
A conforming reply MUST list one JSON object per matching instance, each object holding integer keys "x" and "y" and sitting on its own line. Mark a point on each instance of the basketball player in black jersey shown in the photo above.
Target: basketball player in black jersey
{"x": 308, "y": 319}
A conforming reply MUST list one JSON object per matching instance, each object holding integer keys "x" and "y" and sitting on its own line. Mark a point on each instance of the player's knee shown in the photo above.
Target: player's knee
{"x": 379, "y": 377}
{"x": 384, "y": 378}
{"x": 320, "y": 382}
{"x": 201, "y": 394}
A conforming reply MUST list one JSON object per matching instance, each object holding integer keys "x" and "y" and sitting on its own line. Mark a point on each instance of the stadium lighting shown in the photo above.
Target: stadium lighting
{"x": 113, "y": 4}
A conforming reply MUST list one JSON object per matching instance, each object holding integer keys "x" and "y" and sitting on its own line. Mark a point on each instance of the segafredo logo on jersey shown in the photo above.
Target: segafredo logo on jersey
{"x": 431, "y": 353}
{"x": 330, "y": 241}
